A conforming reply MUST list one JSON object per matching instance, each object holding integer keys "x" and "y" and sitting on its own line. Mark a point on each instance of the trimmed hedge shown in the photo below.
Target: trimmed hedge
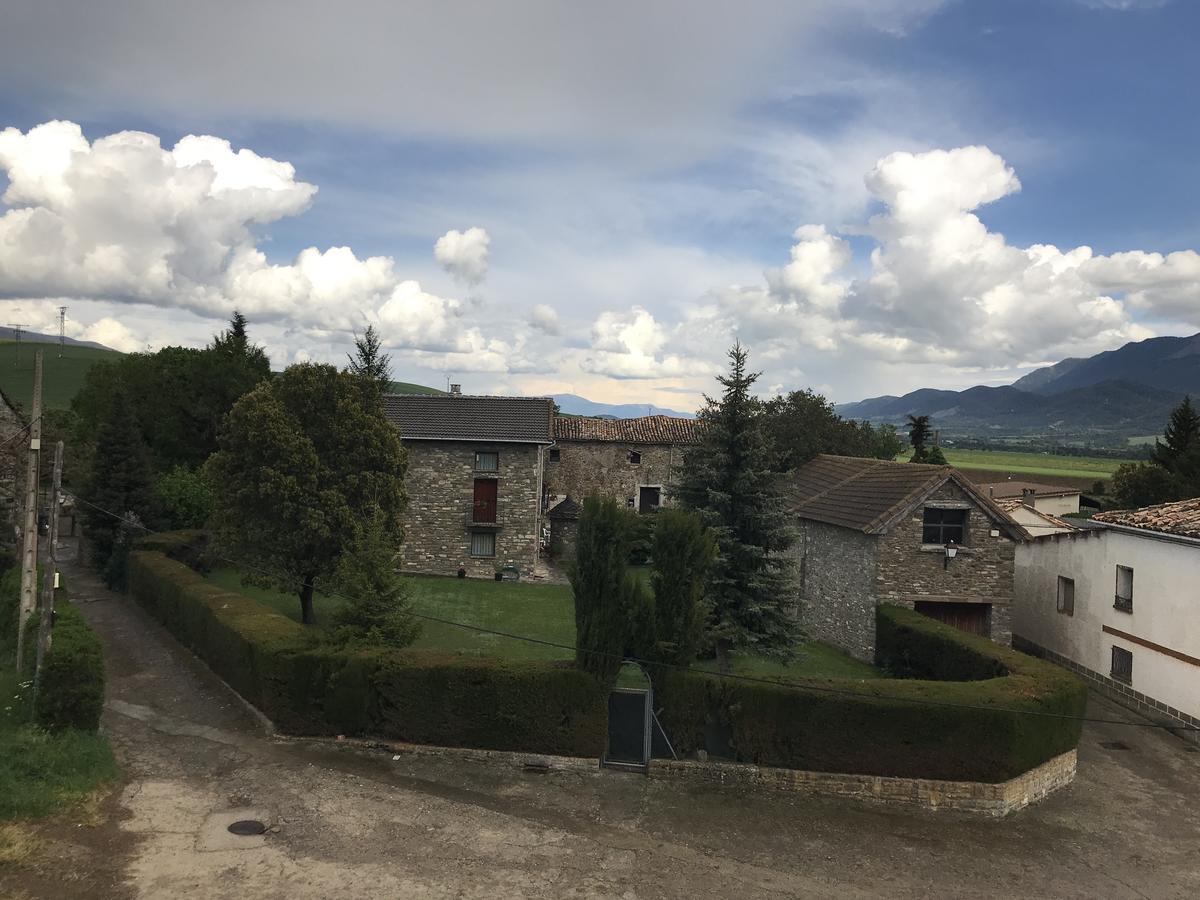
{"x": 307, "y": 687}
{"x": 71, "y": 693}
{"x": 963, "y": 730}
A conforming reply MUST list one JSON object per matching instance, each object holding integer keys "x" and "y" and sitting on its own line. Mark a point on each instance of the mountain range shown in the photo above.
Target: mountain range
{"x": 574, "y": 405}
{"x": 10, "y": 334}
{"x": 1103, "y": 399}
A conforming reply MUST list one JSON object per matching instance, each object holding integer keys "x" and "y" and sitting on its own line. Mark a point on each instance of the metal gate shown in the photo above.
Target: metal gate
{"x": 629, "y": 719}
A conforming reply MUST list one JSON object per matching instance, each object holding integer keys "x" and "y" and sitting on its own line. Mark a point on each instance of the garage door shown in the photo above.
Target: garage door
{"x": 970, "y": 617}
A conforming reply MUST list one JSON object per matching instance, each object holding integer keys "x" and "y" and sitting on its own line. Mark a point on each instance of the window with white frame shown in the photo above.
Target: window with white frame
{"x": 1124, "y": 597}
{"x": 1066, "y": 596}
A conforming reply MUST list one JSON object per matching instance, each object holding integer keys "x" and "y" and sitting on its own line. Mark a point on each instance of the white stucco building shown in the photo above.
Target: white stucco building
{"x": 1120, "y": 604}
{"x": 1053, "y": 499}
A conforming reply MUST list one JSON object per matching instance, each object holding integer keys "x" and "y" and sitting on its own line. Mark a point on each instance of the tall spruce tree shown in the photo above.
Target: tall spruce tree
{"x": 1181, "y": 438}
{"x": 728, "y": 479}
{"x": 610, "y": 605}
{"x": 369, "y": 362}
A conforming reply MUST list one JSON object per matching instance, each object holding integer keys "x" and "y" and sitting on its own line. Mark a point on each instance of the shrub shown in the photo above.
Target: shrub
{"x": 957, "y": 730}
{"x": 71, "y": 690}
{"x": 311, "y": 688}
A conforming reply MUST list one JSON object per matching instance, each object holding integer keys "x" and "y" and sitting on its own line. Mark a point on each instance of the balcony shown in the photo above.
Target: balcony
{"x": 1123, "y": 604}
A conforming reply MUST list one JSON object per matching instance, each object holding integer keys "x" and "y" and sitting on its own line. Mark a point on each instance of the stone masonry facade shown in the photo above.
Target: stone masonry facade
{"x": 834, "y": 568}
{"x": 907, "y": 571}
{"x": 584, "y": 468}
{"x": 437, "y": 523}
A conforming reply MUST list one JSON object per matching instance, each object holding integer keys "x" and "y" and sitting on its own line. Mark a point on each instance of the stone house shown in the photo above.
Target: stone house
{"x": 631, "y": 460}
{"x": 874, "y": 531}
{"x": 475, "y": 470}
{"x": 1116, "y": 602}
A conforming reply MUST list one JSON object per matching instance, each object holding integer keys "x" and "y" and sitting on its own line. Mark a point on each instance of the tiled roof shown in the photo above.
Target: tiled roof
{"x": 1181, "y": 518}
{"x": 463, "y": 417}
{"x": 1011, "y": 504}
{"x": 645, "y": 430}
{"x": 868, "y": 495}
{"x": 999, "y": 490}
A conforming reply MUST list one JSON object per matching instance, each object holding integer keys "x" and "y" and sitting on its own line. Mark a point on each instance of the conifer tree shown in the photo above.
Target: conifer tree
{"x": 369, "y": 361}
{"x": 684, "y": 552}
{"x": 1181, "y": 438}
{"x": 728, "y": 479}
{"x": 610, "y": 605}
{"x": 918, "y": 436}
{"x": 376, "y": 602}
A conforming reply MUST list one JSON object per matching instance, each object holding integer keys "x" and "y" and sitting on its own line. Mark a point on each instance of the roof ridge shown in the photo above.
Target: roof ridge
{"x": 844, "y": 482}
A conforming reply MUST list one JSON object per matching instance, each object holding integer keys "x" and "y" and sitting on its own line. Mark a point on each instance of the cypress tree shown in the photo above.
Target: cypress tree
{"x": 728, "y": 479}
{"x": 684, "y": 552}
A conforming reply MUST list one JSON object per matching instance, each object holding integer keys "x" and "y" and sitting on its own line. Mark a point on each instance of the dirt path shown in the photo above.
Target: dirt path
{"x": 352, "y": 824}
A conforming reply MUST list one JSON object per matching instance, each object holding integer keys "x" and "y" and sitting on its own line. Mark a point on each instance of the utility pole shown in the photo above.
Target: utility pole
{"x": 17, "y": 338}
{"x": 29, "y": 554}
{"x": 62, "y": 329}
{"x": 50, "y": 578}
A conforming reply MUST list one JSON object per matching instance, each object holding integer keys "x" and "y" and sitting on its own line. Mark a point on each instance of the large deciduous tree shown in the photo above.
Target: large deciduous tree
{"x": 802, "y": 424}
{"x": 304, "y": 458}
{"x": 728, "y": 478}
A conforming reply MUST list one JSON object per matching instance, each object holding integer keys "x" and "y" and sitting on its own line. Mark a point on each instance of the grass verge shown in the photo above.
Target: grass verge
{"x": 542, "y": 611}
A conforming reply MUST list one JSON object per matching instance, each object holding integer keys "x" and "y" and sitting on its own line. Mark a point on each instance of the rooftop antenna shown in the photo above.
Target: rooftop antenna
{"x": 62, "y": 330}
{"x": 17, "y": 337}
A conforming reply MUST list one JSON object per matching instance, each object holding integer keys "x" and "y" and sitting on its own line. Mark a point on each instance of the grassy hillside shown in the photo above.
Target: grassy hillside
{"x": 404, "y": 387}
{"x": 61, "y": 378}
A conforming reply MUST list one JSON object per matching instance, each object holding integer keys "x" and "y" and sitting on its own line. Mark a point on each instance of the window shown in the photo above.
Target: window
{"x": 635, "y": 458}
{"x": 1122, "y": 665}
{"x": 1124, "y": 599}
{"x": 483, "y": 543}
{"x": 554, "y": 454}
{"x": 487, "y": 461}
{"x": 1066, "y": 596}
{"x": 941, "y": 526}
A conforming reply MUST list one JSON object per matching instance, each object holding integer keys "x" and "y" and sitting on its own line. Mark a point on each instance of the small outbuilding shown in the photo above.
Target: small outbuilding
{"x": 564, "y": 530}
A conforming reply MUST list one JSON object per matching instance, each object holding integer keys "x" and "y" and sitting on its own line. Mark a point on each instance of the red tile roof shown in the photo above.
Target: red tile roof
{"x": 1180, "y": 518}
{"x": 644, "y": 430}
{"x": 869, "y": 495}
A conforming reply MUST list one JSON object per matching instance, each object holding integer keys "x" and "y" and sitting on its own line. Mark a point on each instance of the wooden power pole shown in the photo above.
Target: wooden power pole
{"x": 30, "y": 535}
{"x": 50, "y": 578}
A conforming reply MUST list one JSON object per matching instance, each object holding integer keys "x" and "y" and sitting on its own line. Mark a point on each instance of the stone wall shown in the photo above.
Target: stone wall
{"x": 603, "y": 467}
{"x": 564, "y": 538}
{"x": 833, "y": 571}
{"x": 441, "y": 483}
{"x": 982, "y": 572}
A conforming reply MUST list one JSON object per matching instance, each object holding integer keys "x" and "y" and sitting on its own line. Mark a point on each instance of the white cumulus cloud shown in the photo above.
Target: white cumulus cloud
{"x": 464, "y": 254}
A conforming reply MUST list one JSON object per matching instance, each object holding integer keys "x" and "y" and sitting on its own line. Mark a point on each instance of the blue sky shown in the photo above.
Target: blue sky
{"x": 626, "y": 181}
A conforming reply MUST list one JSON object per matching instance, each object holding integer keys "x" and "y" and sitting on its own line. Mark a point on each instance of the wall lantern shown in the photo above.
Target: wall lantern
{"x": 951, "y": 552}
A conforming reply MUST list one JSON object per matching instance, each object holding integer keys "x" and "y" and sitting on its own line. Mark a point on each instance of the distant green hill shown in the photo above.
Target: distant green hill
{"x": 61, "y": 378}
{"x": 404, "y": 387}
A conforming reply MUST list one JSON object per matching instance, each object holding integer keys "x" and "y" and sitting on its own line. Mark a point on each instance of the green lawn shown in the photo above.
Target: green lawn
{"x": 1019, "y": 463}
{"x": 542, "y": 611}
{"x": 41, "y": 772}
{"x": 61, "y": 378}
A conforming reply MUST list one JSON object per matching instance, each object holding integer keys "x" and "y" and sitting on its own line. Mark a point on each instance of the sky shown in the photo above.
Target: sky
{"x": 541, "y": 197}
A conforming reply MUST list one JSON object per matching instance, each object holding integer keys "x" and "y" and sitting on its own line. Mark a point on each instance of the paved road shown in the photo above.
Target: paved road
{"x": 355, "y": 824}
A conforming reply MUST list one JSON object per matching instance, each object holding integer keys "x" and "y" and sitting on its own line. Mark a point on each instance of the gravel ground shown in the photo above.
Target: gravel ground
{"x": 348, "y": 822}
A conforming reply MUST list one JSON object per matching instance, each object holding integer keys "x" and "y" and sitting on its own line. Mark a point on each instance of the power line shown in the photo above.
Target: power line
{"x": 733, "y": 676}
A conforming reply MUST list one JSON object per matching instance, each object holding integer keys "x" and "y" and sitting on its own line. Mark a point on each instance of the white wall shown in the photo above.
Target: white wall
{"x": 1056, "y": 506}
{"x": 1166, "y": 607}
{"x": 1035, "y": 521}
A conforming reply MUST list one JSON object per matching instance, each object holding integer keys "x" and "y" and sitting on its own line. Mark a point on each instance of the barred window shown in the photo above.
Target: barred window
{"x": 483, "y": 543}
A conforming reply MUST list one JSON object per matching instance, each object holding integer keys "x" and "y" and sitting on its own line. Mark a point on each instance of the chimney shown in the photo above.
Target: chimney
{"x": 1027, "y": 496}
{"x": 456, "y": 390}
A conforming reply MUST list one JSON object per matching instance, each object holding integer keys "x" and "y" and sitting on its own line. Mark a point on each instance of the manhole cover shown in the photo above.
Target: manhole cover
{"x": 1114, "y": 745}
{"x": 247, "y": 827}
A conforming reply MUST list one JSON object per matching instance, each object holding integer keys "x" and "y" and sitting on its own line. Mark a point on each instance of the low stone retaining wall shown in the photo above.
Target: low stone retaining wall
{"x": 969, "y": 796}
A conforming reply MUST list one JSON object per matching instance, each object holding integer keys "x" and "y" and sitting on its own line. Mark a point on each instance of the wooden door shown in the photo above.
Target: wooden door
{"x": 970, "y": 617}
{"x": 485, "y": 500}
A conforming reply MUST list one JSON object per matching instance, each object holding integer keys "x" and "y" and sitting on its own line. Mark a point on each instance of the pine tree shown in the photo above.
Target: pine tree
{"x": 610, "y": 605}
{"x": 118, "y": 481}
{"x": 728, "y": 479}
{"x": 377, "y": 603}
{"x": 1181, "y": 438}
{"x": 369, "y": 362}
